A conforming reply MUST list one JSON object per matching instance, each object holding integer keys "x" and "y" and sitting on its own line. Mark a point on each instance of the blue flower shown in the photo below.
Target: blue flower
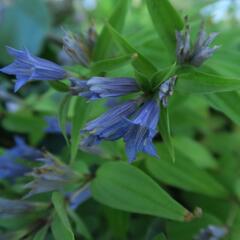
{"x": 142, "y": 129}
{"x": 52, "y": 175}
{"x": 111, "y": 125}
{"x": 27, "y": 67}
{"x": 166, "y": 90}
{"x": 200, "y": 52}
{"x": 81, "y": 88}
{"x": 101, "y": 87}
{"x": 211, "y": 233}
{"x": 10, "y": 168}
{"x": 79, "y": 197}
{"x": 135, "y": 121}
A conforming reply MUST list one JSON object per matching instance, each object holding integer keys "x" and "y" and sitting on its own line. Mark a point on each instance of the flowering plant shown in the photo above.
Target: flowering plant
{"x": 131, "y": 129}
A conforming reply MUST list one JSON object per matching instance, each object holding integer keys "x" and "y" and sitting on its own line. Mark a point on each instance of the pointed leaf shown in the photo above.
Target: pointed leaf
{"x": 164, "y": 128}
{"x": 195, "y": 81}
{"x": 166, "y": 21}
{"x": 184, "y": 174}
{"x": 79, "y": 115}
{"x": 110, "y": 64}
{"x": 226, "y": 103}
{"x": 63, "y": 114}
{"x": 196, "y": 152}
{"x": 59, "y": 230}
{"x": 81, "y": 228}
{"x": 117, "y": 20}
{"x": 61, "y": 219}
{"x": 139, "y": 62}
{"x": 122, "y": 186}
{"x": 41, "y": 234}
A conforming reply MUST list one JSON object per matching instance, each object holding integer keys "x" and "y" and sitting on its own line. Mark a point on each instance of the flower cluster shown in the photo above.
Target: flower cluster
{"x": 136, "y": 120}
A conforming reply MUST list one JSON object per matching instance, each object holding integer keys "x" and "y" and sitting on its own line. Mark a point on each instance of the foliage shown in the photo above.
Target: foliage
{"x": 161, "y": 162}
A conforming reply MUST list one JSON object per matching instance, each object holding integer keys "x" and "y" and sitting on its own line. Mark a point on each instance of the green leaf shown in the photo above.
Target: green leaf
{"x": 160, "y": 237}
{"x": 184, "y": 174}
{"x": 25, "y": 122}
{"x": 41, "y": 234}
{"x": 162, "y": 75}
{"x": 118, "y": 222}
{"x": 139, "y": 62}
{"x": 63, "y": 114}
{"x": 166, "y": 21}
{"x": 117, "y": 20}
{"x": 164, "y": 128}
{"x": 235, "y": 225}
{"x": 59, "y": 86}
{"x": 194, "y": 81}
{"x": 122, "y": 186}
{"x": 61, "y": 220}
{"x": 109, "y": 64}
{"x": 21, "y": 20}
{"x": 77, "y": 71}
{"x": 81, "y": 228}
{"x": 195, "y": 152}
{"x": 59, "y": 230}
{"x": 79, "y": 115}
{"x": 226, "y": 103}
{"x": 59, "y": 205}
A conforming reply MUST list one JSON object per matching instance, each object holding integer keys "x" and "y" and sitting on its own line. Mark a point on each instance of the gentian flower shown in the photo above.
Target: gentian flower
{"x": 52, "y": 175}
{"x": 197, "y": 54}
{"x": 101, "y": 87}
{"x": 10, "y": 167}
{"x": 27, "y": 67}
{"x": 111, "y": 125}
{"x": 211, "y": 233}
{"x": 112, "y": 102}
{"x": 141, "y": 130}
{"x": 135, "y": 121}
{"x": 79, "y": 48}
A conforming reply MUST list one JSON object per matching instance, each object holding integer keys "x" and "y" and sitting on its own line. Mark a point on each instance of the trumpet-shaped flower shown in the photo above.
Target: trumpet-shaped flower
{"x": 111, "y": 125}
{"x": 27, "y": 67}
{"x": 101, "y": 87}
{"x": 142, "y": 129}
